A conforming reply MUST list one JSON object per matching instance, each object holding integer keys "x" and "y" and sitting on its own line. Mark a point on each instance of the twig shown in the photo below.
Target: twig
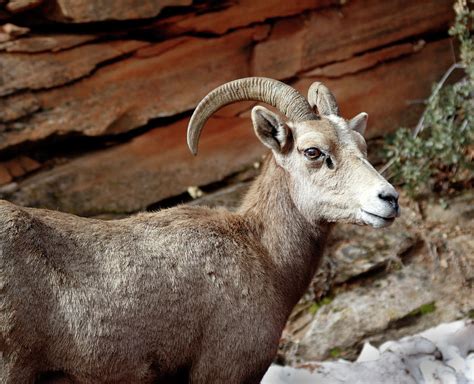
{"x": 416, "y": 101}
{"x": 419, "y": 126}
{"x": 387, "y": 166}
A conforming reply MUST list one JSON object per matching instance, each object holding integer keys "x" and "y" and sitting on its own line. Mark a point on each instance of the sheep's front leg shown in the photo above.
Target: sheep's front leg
{"x": 232, "y": 371}
{"x": 15, "y": 370}
{"x": 229, "y": 364}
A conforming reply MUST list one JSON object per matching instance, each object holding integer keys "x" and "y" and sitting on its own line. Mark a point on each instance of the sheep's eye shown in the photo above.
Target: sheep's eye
{"x": 312, "y": 153}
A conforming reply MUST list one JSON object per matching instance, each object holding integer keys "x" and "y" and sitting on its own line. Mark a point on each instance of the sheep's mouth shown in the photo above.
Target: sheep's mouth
{"x": 385, "y": 218}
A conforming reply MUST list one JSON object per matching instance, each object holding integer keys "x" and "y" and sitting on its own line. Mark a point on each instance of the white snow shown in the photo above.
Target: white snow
{"x": 440, "y": 355}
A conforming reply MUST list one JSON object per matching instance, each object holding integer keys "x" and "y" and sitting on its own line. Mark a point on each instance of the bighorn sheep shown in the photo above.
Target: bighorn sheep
{"x": 188, "y": 293}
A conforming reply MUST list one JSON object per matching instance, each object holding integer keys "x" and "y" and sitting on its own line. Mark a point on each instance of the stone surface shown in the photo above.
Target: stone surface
{"x": 17, "y": 106}
{"x": 106, "y": 103}
{"x": 365, "y": 61}
{"x": 23, "y": 71}
{"x": 325, "y": 36}
{"x": 150, "y": 168}
{"x": 127, "y": 94}
{"x": 387, "y": 91}
{"x": 363, "y": 311}
{"x": 239, "y": 14}
{"x": 10, "y": 32}
{"x": 16, "y": 6}
{"x": 352, "y": 257}
{"x": 82, "y": 11}
{"x": 5, "y": 176}
{"x": 54, "y": 43}
{"x": 17, "y": 167}
{"x": 107, "y": 88}
{"x": 449, "y": 230}
{"x": 459, "y": 211}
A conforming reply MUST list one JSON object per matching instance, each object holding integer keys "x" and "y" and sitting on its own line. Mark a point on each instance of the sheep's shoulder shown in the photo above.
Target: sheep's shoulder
{"x": 215, "y": 236}
{"x": 14, "y": 221}
{"x": 196, "y": 223}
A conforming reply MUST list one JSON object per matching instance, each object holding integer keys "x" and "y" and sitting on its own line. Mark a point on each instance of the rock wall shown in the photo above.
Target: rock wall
{"x": 95, "y": 95}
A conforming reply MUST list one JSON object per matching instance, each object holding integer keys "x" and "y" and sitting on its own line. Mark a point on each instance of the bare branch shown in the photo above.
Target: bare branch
{"x": 419, "y": 127}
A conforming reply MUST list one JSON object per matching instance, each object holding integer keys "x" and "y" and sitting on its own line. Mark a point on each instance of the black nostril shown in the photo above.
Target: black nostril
{"x": 389, "y": 198}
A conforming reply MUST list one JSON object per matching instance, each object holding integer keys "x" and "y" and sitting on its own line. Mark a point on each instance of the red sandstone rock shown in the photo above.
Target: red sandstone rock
{"x": 239, "y": 14}
{"x": 44, "y": 70}
{"x": 82, "y": 11}
{"x": 160, "y": 48}
{"x": 28, "y": 164}
{"x": 387, "y": 91}
{"x": 107, "y": 88}
{"x": 16, "y": 6}
{"x": 5, "y": 176}
{"x": 17, "y": 106}
{"x": 365, "y": 61}
{"x": 10, "y": 32}
{"x": 157, "y": 164}
{"x": 52, "y": 43}
{"x": 325, "y": 36}
{"x": 14, "y": 30}
{"x": 150, "y": 168}
{"x": 281, "y": 55}
{"x": 127, "y": 94}
{"x": 16, "y": 167}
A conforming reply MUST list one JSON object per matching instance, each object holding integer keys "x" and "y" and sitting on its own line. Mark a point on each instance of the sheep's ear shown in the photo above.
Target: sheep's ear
{"x": 270, "y": 129}
{"x": 359, "y": 123}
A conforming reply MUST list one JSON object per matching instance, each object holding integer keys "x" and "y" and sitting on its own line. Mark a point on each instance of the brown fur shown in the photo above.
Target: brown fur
{"x": 131, "y": 300}
{"x": 186, "y": 293}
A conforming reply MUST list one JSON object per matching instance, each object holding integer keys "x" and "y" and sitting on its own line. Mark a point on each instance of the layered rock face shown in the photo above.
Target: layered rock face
{"x": 95, "y": 95}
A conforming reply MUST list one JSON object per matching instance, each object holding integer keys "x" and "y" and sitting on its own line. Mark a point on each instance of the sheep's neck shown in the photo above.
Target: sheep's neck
{"x": 294, "y": 245}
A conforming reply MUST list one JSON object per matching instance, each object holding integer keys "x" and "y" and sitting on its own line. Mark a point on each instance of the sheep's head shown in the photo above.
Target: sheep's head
{"x": 324, "y": 155}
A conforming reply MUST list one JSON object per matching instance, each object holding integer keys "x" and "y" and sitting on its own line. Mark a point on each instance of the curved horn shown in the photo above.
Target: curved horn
{"x": 273, "y": 92}
{"x": 321, "y": 97}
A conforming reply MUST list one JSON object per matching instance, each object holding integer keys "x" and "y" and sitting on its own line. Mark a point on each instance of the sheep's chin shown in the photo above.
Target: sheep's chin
{"x": 374, "y": 220}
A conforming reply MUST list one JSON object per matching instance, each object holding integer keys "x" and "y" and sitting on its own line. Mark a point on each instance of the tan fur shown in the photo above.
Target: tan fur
{"x": 186, "y": 293}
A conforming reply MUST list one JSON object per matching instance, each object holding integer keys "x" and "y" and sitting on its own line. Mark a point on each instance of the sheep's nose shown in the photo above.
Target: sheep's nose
{"x": 391, "y": 198}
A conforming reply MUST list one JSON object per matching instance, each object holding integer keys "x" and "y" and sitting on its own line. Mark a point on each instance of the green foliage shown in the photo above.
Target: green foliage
{"x": 423, "y": 310}
{"x": 335, "y": 352}
{"x": 316, "y": 306}
{"x": 470, "y": 314}
{"x": 439, "y": 152}
{"x": 462, "y": 30}
{"x": 427, "y": 308}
